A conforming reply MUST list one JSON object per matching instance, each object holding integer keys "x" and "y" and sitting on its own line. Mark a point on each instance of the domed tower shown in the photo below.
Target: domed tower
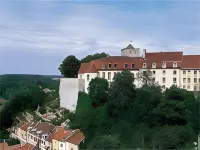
{"x": 130, "y": 51}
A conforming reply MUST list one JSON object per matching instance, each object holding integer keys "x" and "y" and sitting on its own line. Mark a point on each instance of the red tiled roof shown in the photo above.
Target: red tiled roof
{"x": 191, "y": 61}
{"x": 54, "y": 132}
{"x": 76, "y": 138}
{"x": 15, "y": 146}
{"x": 4, "y": 146}
{"x": 62, "y": 134}
{"x": 27, "y": 146}
{"x": 25, "y": 127}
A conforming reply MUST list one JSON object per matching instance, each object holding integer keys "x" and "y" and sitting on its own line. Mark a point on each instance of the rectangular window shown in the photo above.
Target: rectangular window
{"x": 125, "y": 66}
{"x": 154, "y": 65}
{"x": 174, "y": 80}
{"x": 61, "y": 145}
{"x": 109, "y": 75}
{"x": 174, "y": 65}
{"x": 163, "y": 80}
{"x": 184, "y": 72}
{"x": 98, "y": 74}
{"x": 184, "y": 86}
{"x": 188, "y": 80}
{"x": 115, "y": 66}
{"x": 174, "y": 72}
{"x": 88, "y": 77}
{"x": 195, "y": 88}
{"x": 103, "y": 75}
{"x": 195, "y": 80}
{"x": 195, "y": 72}
{"x": 188, "y": 87}
{"x": 109, "y": 66}
{"x": 132, "y": 66}
{"x": 163, "y": 86}
{"x": 154, "y": 72}
{"x": 188, "y": 72}
{"x": 163, "y": 65}
{"x": 144, "y": 65}
{"x": 184, "y": 80}
{"x": 103, "y": 66}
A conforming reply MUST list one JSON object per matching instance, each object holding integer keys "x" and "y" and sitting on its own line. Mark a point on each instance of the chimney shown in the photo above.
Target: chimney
{"x": 144, "y": 53}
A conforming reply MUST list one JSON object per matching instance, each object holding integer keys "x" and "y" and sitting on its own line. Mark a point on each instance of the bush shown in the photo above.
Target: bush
{"x": 42, "y": 110}
{"x": 12, "y": 142}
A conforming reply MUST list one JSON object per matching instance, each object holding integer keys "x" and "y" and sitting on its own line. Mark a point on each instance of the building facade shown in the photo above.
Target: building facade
{"x": 167, "y": 68}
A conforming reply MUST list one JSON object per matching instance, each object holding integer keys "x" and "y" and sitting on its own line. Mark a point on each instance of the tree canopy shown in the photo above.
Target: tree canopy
{"x": 130, "y": 118}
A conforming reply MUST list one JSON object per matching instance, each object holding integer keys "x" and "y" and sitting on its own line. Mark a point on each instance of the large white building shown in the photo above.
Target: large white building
{"x": 168, "y": 68}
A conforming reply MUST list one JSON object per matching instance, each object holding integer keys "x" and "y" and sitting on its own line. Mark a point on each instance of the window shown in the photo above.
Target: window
{"x": 88, "y": 77}
{"x": 184, "y": 72}
{"x": 188, "y": 87}
{"x": 125, "y": 66}
{"x": 195, "y": 80}
{"x": 115, "y": 66}
{"x": 71, "y": 148}
{"x": 153, "y": 79}
{"x": 153, "y": 65}
{"x": 109, "y": 75}
{"x": 154, "y": 72}
{"x": 163, "y": 80}
{"x": 144, "y": 65}
{"x": 184, "y": 86}
{"x": 163, "y": 86}
{"x": 188, "y": 72}
{"x": 164, "y": 72}
{"x": 61, "y": 145}
{"x": 174, "y": 72}
{"x": 103, "y": 75}
{"x": 174, "y": 80}
{"x": 184, "y": 80}
{"x": 109, "y": 66}
{"x": 188, "y": 80}
{"x": 31, "y": 137}
{"x": 103, "y": 66}
{"x": 195, "y": 72}
{"x": 195, "y": 88}
{"x": 174, "y": 65}
{"x": 132, "y": 66}
{"x": 98, "y": 74}
{"x": 163, "y": 65}
{"x": 199, "y": 80}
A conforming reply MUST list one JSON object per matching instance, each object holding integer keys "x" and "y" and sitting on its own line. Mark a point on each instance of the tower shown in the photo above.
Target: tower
{"x": 130, "y": 51}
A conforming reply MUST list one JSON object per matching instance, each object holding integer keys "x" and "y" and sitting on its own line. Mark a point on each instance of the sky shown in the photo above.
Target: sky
{"x": 36, "y": 35}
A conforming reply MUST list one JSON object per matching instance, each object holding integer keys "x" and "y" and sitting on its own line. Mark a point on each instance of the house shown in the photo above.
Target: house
{"x": 38, "y": 133}
{"x": 20, "y": 132}
{"x": 168, "y": 68}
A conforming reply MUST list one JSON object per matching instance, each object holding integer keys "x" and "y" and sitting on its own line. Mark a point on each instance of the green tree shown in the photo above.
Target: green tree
{"x": 69, "y": 67}
{"x": 98, "y": 91}
{"x": 93, "y": 57}
{"x": 121, "y": 93}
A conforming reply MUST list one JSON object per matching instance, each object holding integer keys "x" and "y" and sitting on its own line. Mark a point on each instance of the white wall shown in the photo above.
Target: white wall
{"x": 62, "y": 146}
{"x": 70, "y": 146}
{"x": 68, "y": 92}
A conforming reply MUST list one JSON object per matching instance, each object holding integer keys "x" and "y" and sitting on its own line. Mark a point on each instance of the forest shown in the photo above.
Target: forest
{"x": 123, "y": 117}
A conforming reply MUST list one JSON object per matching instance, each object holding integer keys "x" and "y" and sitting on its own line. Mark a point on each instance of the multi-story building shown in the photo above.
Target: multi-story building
{"x": 168, "y": 68}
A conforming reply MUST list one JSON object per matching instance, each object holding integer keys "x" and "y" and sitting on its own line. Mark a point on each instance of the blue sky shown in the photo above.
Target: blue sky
{"x": 36, "y": 35}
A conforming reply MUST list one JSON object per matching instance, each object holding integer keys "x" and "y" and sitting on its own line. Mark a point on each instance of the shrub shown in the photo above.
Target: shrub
{"x": 42, "y": 110}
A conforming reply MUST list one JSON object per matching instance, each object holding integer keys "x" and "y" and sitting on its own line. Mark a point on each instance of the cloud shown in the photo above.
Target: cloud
{"x": 65, "y": 29}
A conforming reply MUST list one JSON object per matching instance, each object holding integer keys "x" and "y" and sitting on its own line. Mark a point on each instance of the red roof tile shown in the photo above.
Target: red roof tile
{"x": 25, "y": 127}
{"x": 62, "y": 134}
{"x": 76, "y": 138}
{"x": 27, "y": 146}
{"x": 191, "y": 61}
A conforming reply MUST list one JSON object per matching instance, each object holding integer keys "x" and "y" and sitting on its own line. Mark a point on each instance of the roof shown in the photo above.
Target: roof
{"x": 129, "y": 47}
{"x": 25, "y": 126}
{"x": 27, "y": 146}
{"x": 44, "y": 127}
{"x": 191, "y": 61}
{"x": 61, "y": 134}
{"x": 76, "y": 138}
{"x": 5, "y": 146}
{"x": 54, "y": 131}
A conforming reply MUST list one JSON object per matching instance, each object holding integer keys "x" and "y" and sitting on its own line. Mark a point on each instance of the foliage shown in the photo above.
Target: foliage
{"x": 69, "y": 67}
{"x": 93, "y": 57}
{"x": 137, "y": 118}
{"x": 42, "y": 110}
{"x": 12, "y": 142}
{"x": 98, "y": 91}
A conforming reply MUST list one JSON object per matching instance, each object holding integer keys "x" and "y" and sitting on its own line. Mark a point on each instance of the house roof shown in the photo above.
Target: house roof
{"x": 25, "y": 126}
{"x": 191, "y": 61}
{"x": 61, "y": 134}
{"x": 44, "y": 127}
{"x": 53, "y": 133}
{"x": 76, "y": 138}
{"x": 27, "y": 146}
{"x": 5, "y": 146}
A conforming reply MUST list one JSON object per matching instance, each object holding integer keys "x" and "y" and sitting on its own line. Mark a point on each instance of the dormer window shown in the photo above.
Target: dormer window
{"x": 164, "y": 65}
{"x": 125, "y": 66}
{"x": 132, "y": 66}
{"x": 103, "y": 66}
{"x": 154, "y": 65}
{"x": 174, "y": 65}
{"x": 144, "y": 65}
{"x": 109, "y": 66}
{"x": 115, "y": 66}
